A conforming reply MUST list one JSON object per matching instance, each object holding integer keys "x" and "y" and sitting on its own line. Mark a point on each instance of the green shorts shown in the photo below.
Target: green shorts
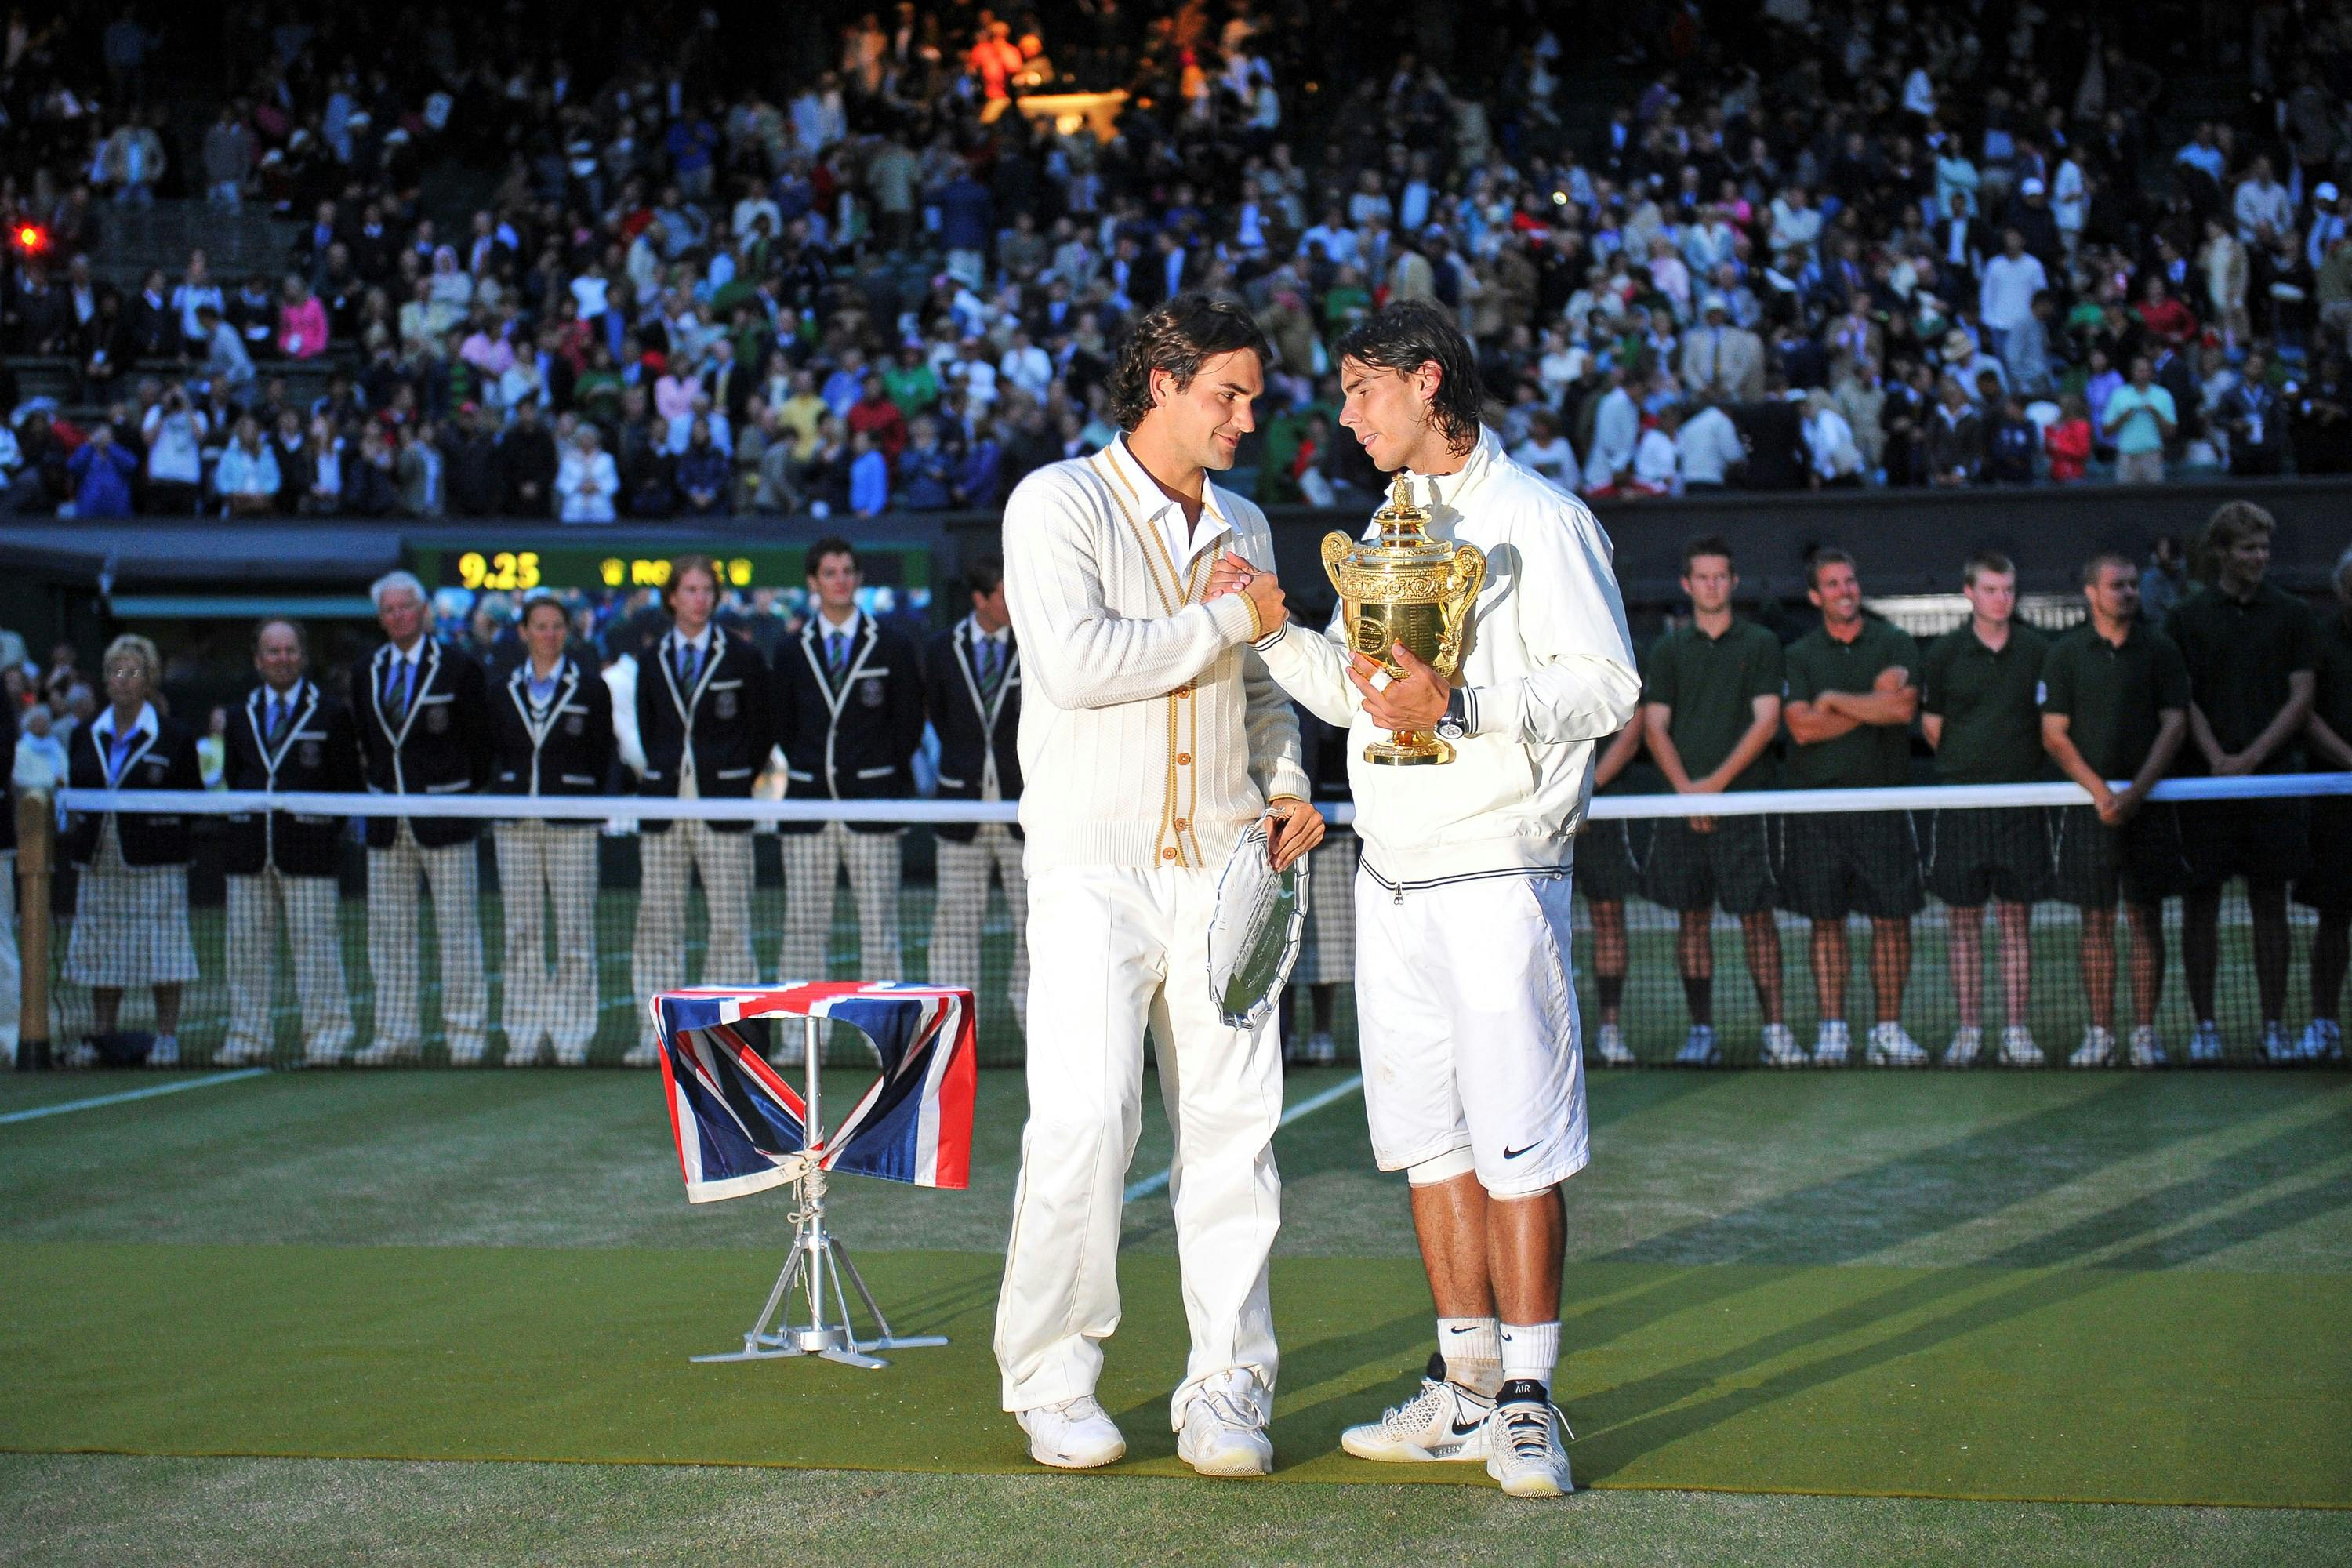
{"x": 1609, "y": 858}
{"x": 1833, "y": 864}
{"x": 1729, "y": 868}
{"x": 2261, "y": 840}
{"x": 2140, "y": 863}
{"x": 2000, "y": 853}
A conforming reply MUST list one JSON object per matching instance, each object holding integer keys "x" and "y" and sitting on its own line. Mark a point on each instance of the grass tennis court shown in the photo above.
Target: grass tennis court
{"x": 434, "y": 1316}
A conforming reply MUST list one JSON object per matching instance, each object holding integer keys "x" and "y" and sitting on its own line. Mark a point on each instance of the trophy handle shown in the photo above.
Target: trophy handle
{"x": 1467, "y": 573}
{"x": 1335, "y": 546}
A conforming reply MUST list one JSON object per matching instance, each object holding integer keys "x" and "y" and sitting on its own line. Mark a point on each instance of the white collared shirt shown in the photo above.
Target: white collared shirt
{"x": 103, "y": 733}
{"x": 1152, "y": 505}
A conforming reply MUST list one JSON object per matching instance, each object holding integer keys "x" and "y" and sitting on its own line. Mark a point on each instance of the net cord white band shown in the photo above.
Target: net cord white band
{"x": 630, "y": 808}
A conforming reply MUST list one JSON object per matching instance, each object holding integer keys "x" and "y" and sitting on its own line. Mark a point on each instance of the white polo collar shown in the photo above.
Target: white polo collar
{"x": 1433, "y": 490}
{"x": 1152, "y": 506}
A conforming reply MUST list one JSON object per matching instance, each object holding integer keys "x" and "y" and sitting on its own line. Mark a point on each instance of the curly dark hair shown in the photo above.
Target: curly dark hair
{"x": 1179, "y": 337}
{"x": 1409, "y": 334}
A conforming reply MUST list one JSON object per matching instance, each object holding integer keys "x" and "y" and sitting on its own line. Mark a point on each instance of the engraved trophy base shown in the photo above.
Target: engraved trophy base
{"x": 1408, "y": 749}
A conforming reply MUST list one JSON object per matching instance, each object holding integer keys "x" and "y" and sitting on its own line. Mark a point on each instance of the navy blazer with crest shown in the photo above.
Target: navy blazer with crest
{"x": 972, "y": 731}
{"x": 729, "y": 717}
{"x": 163, "y": 759}
{"x": 566, "y": 750}
{"x": 441, "y": 745}
{"x": 318, "y": 751}
{"x": 855, "y": 739}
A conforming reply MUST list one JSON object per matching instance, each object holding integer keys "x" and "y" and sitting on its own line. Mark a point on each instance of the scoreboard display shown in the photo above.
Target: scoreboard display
{"x": 494, "y": 568}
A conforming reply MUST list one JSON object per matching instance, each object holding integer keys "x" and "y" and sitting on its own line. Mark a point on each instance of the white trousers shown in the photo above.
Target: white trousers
{"x": 12, "y": 974}
{"x": 542, "y": 863}
{"x": 657, "y": 964}
{"x": 813, "y": 865}
{"x": 1119, "y": 950}
{"x": 1465, "y": 1011}
{"x": 960, "y": 909}
{"x": 393, "y": 941}
{"x": 307, "y": 908}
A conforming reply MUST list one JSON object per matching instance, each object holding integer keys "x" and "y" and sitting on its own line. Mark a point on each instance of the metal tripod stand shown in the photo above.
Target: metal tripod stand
{"x": 818, "y": 1260}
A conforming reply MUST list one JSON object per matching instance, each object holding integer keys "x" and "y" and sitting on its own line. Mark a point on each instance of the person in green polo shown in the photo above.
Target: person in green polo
{"x": 1848, "y": 704}
{"x": 2252, "y": 650}
{"x": 2114, "y": 705}
{"x": 2325, "y": 882}
{"x": 1977, "y": 709}
{"x": 1711, "y": 709}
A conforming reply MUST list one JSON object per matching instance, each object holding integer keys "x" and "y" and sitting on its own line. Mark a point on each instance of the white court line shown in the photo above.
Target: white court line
{"x": 1308, "y": 1107}
{"x": 149, "y": 1093}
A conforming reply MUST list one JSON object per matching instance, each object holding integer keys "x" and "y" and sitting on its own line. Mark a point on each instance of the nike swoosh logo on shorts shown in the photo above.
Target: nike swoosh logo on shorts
{"x": 1515, "y": 1153}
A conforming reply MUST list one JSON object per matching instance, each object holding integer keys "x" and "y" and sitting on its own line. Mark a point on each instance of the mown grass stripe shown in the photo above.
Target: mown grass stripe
{"x": 1308, "y": 1107}
{"x": 128, "y": 1095}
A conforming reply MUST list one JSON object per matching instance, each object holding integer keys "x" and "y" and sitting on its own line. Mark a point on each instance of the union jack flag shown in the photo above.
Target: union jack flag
{"x": 741, "y": 1128}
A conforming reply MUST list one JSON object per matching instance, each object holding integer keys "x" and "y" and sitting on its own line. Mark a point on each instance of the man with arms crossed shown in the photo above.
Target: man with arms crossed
{"x": 2252, "y": 651}
{"x": 2114, "y": 705}
{"x": 1711, "y": 706}
{"x": 1151, "y": 740}
{"x": 1849, "y": 704}
{"x": 1977, "y": 697}
{"x": 1473, "y": 1078}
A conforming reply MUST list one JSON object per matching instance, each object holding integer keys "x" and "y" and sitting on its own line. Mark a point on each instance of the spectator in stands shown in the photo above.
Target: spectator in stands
{"x": 527, "y": 463}
{"x": 2325, "y": 883}
{"x": 1954, "y": 436}
{"x": 551, "y": 735}
{"x": 972, "y": 687}
{"x": 424, "y": 727}
{"x": 194, "y": 290}
{"x": 851, "y": 700}
{"x": 1850, "y": 701}
{"x": 289, "y": 735}
{"x": 225, "y": 361}
{"x": 704, "y": 475}
{"x": 869, "y": 477}
{"x": 706, "y": 717}
{"x": 2140, "y": 418}
{"x": 2067, "y": 441}
{"x": 1710, "y": 712}
{"x": 101, "y": 473}
{"x": 301, "y": 321}
{"x": 2252, "y": 650}
{"x": 2254, "y": 415}
{"x": 1709, "y": 453}
{"x": 174, "y": 432}
{"x": 586, "y": 481}
{"x": 2115, "y": 700}
{"x": 229, "y": 156}
{"x": 247, "y": 479}
{"x": 1977, "y": 706}
{"x": 130, "y": 902}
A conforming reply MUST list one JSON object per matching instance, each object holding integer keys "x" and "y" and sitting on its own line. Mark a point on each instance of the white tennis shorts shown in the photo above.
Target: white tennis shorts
{"x": 1466, "y": 1010}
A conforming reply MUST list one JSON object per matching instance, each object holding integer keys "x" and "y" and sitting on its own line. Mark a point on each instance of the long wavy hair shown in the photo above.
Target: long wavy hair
{"x": 1409, "y": 334}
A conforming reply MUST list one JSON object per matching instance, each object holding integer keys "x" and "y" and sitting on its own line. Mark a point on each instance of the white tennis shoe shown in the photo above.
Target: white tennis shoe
{"x": 2205, "y": 1045}
{"x": 1890, "y": 1046}
{"x": 1698, "y": 1049}
{"x": 2097, "y": 1049}
{"x": 1831, "y": 1044}
{"x": 2277, "y": 1050}
{"x": 1529, "y": 1458}
{"x": 1780, "y": 1048}
{"x": 2323, "y": 1040}
{"x": 1225, "y": 1429}
{"x": 529, "y": 1056}
{"x": 2018, "y": 1048}
{"x": 1967, "y": 1043}
{"x": 2146, "y": 1050}
{"x": 1611, "y": 1039}
{"x": 1075, "y": 1434}
{"x": 1442, "y": 1421}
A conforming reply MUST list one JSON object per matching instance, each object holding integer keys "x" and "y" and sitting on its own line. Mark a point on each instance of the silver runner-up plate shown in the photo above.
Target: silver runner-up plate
{"x": 1254, "y": 937}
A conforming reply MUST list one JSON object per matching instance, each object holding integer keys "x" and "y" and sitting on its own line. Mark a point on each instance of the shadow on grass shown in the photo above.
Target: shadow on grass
{"x": 1640, "y": 1417}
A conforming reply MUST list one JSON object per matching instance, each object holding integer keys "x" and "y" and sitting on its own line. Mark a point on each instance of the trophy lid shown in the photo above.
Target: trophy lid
{"x": 1404, "y": 539}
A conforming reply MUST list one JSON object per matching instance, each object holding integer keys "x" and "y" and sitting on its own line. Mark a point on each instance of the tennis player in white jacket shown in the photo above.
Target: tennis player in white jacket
{"x": 1151, "y": 739}
{"x": 1465, "y": 997}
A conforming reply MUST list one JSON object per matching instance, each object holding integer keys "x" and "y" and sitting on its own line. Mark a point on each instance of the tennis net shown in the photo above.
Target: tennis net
{"x": 539, "y": 938}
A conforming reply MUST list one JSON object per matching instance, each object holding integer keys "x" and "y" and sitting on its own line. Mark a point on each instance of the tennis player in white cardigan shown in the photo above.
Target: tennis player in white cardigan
{"x": 1151, "y": 739}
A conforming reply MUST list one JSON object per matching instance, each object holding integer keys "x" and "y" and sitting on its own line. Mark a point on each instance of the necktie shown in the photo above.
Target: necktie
{"x": 395, "y": 687}
{"x": 118, "y": 754}
{"x": 836, "y": 654}
{"x": 690, "y": 663}
{"x": 989, "y": 657}
{"x": 279, "y": 708}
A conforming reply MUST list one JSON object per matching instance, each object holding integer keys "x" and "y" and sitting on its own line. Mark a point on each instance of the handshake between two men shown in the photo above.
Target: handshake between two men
{"x": 1415, "y": 700}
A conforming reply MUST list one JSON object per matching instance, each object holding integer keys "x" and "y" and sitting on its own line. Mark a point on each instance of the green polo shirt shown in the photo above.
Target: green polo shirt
{"x": 2239, "y": 653}
{"x": 1992, "y": 732}
{"x": 1873, "y": 756}
{"x": 2334, "y": 698}
{"x": 2114, "y": 698}
{"x": 1712, "y": 684}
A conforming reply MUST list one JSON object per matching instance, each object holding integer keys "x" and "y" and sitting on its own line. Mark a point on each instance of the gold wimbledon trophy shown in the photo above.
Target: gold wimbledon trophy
{"x": 1405, "y": 587}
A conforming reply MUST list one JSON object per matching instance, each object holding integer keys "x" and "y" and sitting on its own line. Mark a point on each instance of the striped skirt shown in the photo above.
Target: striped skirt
{"x": 131, "y": 923}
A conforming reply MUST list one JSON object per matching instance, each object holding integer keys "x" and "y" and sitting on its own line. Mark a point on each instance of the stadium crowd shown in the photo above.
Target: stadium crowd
{"x": 830, "y": 274}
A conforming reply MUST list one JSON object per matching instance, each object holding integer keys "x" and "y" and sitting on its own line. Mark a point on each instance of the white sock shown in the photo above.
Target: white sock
{"x": 1530, "y": 1350}
{"x": 1473, "y": 1354}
